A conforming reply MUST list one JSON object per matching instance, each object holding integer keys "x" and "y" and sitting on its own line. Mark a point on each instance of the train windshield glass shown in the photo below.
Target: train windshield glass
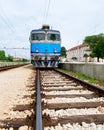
{"x": 53, "y": 37}
{"x": 38, "y": 36}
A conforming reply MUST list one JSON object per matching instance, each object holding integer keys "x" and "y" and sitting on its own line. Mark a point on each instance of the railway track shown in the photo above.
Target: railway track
{"x": 68, "y": 103}
{"x": 56, "y": 101}
{"x": 3, "y": 68}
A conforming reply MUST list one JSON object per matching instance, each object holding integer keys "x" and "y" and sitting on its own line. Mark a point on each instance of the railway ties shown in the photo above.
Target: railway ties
{"x": 66, "y": 101}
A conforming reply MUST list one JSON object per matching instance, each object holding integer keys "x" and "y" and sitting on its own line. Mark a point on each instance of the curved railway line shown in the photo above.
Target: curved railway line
{"x": 69, "y": 103}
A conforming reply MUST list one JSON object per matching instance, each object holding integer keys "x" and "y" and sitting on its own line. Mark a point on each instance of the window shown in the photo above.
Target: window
{"x": 53, "y": 37}
{"x": 38, "y": 36}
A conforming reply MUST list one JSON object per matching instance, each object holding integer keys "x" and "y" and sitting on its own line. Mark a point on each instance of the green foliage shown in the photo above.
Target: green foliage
{"x": 92, "y": 55}
{"x": 24, "y": 60}
{"x": 99, "y": 48}
{"x": 63, "y": 51}
{"x": 10, "y": 58}
{"x": 85, "y": 55}
{"x": 74, "y": 58}
{"x": 96, "y": 44}
{"x": 2, "y": 55}
{"x": 4, "y": 58}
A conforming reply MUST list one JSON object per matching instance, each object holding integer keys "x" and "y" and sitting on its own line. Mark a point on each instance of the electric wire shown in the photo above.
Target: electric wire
{"x": 94, "y": 30}
{"x": 8, "y": 23}
{"x": 7, "y": 19}
{"x": 97, "y": 29}
{"x": 46, "y": 10}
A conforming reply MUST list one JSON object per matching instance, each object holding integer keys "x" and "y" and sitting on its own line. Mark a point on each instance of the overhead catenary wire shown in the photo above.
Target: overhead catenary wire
{"x": 10, "y": 26}
{"x": 97, "y": 28}
{"x": 46, "y": 10}
{"x": 94, "y": 30}
{"x": 8, "y": 23}
{"x": 24, "y": 48}
{"x": 6, "y": 19}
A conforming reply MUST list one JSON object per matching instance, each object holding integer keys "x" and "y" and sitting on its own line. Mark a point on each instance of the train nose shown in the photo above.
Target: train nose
{"x": 55, "y": 50}
{"x": 37, "y": 50}
{"x": 46, "y": 49}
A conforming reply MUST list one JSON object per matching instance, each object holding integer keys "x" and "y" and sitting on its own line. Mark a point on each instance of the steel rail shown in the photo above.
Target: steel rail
{"x": 38, "y": 105}
{"x": 91, "y": 86}
{"x": 96, "y": 92}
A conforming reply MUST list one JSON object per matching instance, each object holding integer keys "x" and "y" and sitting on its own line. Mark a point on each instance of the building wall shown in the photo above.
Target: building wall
{"x": 78, "y": 52}
{"x": 93, "y": 70}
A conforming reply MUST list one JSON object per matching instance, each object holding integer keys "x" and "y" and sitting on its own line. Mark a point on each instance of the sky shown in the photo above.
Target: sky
{"x": 75, "y": 19}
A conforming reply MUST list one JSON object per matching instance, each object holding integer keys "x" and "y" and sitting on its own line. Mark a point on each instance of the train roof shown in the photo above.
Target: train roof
{"x": 45, "y": 28}
{"x": 42, "y": 30}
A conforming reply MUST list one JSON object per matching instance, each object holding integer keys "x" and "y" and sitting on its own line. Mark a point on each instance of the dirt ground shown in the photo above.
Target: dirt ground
{"x": 13, "y": 87}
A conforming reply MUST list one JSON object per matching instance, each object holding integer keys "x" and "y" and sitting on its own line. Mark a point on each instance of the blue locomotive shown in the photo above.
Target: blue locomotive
{"x": 45, "y": 47}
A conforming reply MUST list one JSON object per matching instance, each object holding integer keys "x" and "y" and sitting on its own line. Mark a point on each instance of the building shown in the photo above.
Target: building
{"x": 17, "y": 59}
{"x": 79, "y": 53}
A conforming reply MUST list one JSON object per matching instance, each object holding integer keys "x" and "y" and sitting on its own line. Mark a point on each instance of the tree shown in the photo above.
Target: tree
{"x": 74, "y": 58}
{"x": 85, "y": 55}
{"x": 10, "y": 58}
{"x": 99, "y": 49}
{"x": 2, "y": 55}
{"x": 63, "y": 51}
{"x": 24, "y": 60}
{"x": 96, "y": 44}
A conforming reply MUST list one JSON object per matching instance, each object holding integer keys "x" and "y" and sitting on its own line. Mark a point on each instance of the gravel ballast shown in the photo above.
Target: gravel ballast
{"x": 14, "y": 92}
{"x": 83, "y": 126}
{"x": 69, "y": 112}
{"x": 69, "y": 100}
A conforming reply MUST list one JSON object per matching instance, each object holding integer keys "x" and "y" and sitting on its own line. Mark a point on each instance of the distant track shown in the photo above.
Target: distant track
{"x": 3, "y": 68}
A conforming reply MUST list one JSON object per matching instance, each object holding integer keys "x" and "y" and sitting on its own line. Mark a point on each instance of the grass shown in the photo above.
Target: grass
{"x": 83, "y": 77}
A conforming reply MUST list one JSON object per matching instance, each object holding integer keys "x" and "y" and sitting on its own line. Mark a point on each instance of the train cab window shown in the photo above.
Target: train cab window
{"x": 53, "y": 37}
{"x": 38, "y": 36}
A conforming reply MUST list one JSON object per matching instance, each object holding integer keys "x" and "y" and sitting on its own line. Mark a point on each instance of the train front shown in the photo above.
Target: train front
{"x": 45, "y": 47}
